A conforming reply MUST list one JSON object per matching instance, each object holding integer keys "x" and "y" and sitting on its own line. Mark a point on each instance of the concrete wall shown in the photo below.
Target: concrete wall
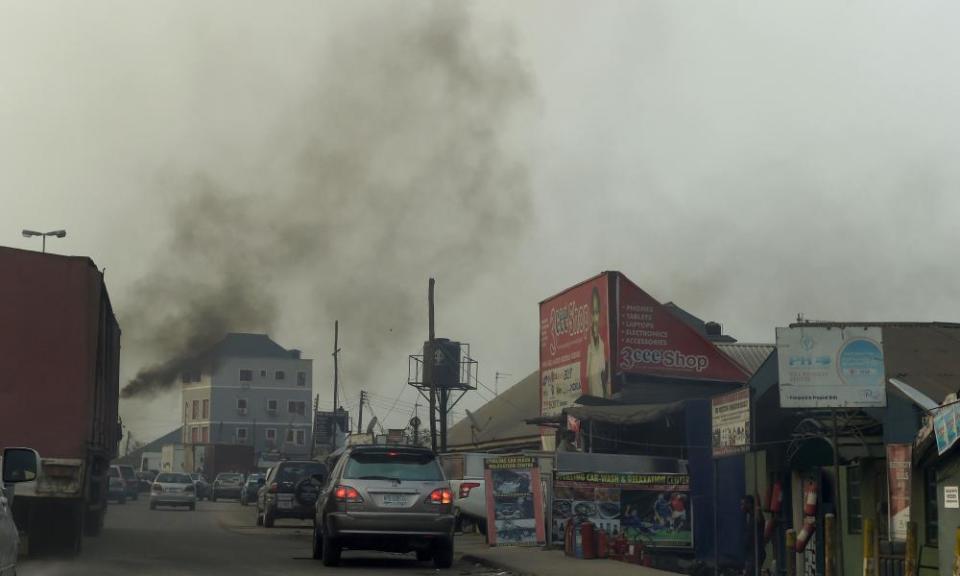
{"x": 949, "y": 519}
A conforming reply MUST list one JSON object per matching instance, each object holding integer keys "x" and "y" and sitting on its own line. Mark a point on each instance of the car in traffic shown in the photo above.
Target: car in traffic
{"x": 173, "y": 489}
{"x": 386, "y": 498}
{"x": 130, "y": 480}
{"x": 116, "y": 487}
{"x": 201, "y": 484}
{"x": 290, "y": 490}
{"x": 226, "y": 485}
{"x": 251, "y": 485}
{"x": 19, "y": 465}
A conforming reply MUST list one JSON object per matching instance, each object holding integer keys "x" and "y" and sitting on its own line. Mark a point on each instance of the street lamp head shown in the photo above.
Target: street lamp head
{"x": 29, "y": 233}
{"x": 57, "y": 233}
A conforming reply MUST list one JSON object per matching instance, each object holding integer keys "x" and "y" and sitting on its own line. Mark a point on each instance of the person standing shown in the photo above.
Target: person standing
{"x": 598, "y": 370}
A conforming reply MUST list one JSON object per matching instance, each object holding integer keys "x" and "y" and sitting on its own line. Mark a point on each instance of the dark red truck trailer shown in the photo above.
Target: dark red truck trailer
{"x": 60, "y": 350}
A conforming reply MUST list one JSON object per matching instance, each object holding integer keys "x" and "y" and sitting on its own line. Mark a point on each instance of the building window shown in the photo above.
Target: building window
{"x": 279, "y": 375}
{"x": 241, "y": 435}
{"x": 302, "y": 379}
{"x": 196, "y": 410}
{"x": 289, "y": 435}
{"x": 205, "y": 434}
{"x": 930, "y": 513}
{"x": 246, "y": 375}
{"x": 206, "y": 408}
{"x": 270, "y": 434}
{"x": 188, "y": 377}
{"x": 194, "y": 435}
{"x": 242, "y": 406}
{"x": 301, "y": 438}
{"x": 854, "y": 512}
{"x": 297, "y": 407}
{"x": 271, "y": 405}
{"x": 263, "y": 373}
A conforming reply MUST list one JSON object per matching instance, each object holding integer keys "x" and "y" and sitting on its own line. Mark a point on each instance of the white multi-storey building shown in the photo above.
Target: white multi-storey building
{"x": 247, "y": 389}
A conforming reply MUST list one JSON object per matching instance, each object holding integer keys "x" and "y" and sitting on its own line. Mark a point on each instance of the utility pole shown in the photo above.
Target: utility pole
{"x": 433, "y": 388}
{"x": 415, "y": 422}
{"x": 363, "y": 398}
{"x": 336, "y": 371}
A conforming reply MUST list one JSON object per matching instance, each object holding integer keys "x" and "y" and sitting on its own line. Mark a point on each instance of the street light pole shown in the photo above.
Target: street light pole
{"x": 43, "y": 235}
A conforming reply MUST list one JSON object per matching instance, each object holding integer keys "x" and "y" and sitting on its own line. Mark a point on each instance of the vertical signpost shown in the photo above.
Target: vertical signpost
{"x": 731, "y": 436}
{"x": 832, "y": 367}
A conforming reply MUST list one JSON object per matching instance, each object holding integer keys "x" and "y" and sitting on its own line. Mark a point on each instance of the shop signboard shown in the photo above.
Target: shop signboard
{"x": 653, "y": 508}
{"x": 899, "y": 460}
{"x": 946, "y": 425}
{"x": 652, "y": 340}
{"x": 575, "y": 345}
{"x": 831, "y": 367}
{"x": 514, "y": 501}
{"x": 731, "y": 423}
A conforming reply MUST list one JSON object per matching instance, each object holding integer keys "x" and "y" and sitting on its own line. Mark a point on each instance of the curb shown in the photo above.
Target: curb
{"x": 493, "y": 564}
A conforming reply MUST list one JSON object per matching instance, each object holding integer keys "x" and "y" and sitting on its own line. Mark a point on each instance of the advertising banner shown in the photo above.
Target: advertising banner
{"x": 575, "y": 345}
{"x": 945, "y": 424}
{"x": 650, "y": 508}
{"x": 651, "y": 340}
{"x": 731, "y": 423}
{"x": 899, "y": 460}
{"x": 831, "y": 367}
{"x": 514, "y": 501}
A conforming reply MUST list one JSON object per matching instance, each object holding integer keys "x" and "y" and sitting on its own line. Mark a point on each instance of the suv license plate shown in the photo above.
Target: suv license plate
{"x": 394, "y": 500}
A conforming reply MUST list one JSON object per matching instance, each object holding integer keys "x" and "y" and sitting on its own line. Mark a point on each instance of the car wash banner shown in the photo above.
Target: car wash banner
{"x": 575, "y": 345}
{"x": 650, "y": 508}
{"x": 899, "y": 461}
{"x": 514, "y": 501}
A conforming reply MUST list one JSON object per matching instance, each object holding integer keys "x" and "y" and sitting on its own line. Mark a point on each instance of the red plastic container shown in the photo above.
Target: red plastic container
{"x": 588, "y": 542}
{"x": 603, "y": 544}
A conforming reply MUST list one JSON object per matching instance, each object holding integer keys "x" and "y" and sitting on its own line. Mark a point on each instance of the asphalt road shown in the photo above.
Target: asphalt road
{"x": 217, "y": 539}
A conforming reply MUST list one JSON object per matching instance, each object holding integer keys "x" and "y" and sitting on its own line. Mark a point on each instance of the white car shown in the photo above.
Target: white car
{"x": 173, "y": 489}
{"x": 19, "y": 465}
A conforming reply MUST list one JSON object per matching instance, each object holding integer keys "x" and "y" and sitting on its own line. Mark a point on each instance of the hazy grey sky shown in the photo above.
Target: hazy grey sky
{"x": 748, "y": 160}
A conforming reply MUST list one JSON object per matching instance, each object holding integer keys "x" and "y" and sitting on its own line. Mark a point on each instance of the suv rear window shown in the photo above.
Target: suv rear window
{"x": 399, "y": 465}
{"x": 169, "y": 478}
{"x": 293, "y": 471}
{"x": 229, "y": 477}
{"x": 127, "y": 472}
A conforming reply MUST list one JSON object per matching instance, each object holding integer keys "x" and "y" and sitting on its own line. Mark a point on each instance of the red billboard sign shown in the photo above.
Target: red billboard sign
{"x": 575, "y": 345}
{"x": 653, "y": 341}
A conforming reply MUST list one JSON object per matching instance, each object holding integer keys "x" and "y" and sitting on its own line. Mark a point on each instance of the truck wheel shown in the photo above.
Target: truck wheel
{"x": 443, "y": 554}
{"x": 331, "y": 551}
{"x": 268, "y": 518}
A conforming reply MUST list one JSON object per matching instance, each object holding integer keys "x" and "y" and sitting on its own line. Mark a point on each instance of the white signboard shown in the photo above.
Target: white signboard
{"x": 731, "y": 423}
{"x": 831, "y": 367}
{"x": 951, "y": 497}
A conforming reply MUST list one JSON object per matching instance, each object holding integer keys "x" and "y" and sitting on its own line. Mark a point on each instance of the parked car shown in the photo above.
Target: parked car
{"x": 250, "y": 487}
{"x": 19, "y": 465}
{"x": 394, "y": 499}
{"x": 116, "y": 487}
{"x": 464, "y": 470}
{"x": 290, "y": 491}
{"x": 173, "y": 489}
{"x": 226, "y": 485}
{"x": 130, "y": 480}
{"x": 202, "y": 486}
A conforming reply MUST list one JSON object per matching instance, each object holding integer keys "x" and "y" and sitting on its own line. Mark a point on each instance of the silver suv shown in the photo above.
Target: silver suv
{"x": 388, "y": 498}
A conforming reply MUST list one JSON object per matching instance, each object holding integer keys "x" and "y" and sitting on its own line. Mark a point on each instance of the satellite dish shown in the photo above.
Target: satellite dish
{"x": 370, "y": 426}
{"x": 474, "y": 423}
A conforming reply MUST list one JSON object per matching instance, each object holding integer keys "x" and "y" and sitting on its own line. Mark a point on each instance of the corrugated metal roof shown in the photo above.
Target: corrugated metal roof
{"x": 749, "y": 356}
{"x": 503, "y": 418}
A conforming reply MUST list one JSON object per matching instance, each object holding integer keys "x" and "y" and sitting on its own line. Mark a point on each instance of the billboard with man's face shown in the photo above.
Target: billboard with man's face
{"x": 575, "y": 345}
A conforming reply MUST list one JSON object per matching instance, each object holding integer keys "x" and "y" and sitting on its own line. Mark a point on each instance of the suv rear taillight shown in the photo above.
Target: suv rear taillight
{"x": 466, "y": 487}
{"x": 441, "y": 496}
{"x": 347, "y": 494}
{"x": 273, "y": 488}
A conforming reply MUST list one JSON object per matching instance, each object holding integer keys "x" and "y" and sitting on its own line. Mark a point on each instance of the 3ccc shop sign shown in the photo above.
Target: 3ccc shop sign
{"x": 632, "y": 358}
